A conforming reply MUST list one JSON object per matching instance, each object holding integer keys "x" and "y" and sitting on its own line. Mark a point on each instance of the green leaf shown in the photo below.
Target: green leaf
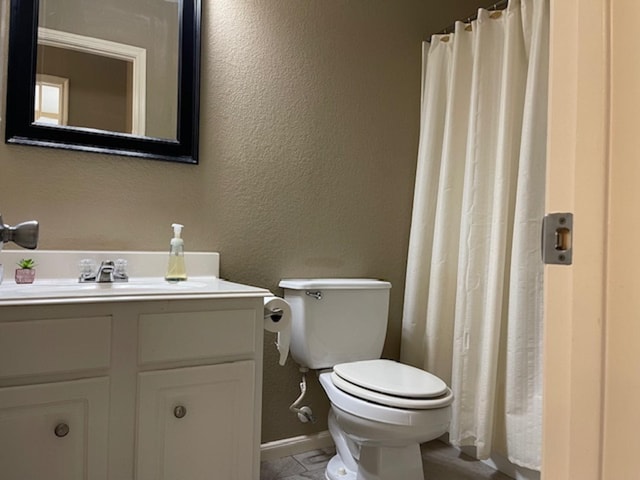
{"x": 27, "y": 263}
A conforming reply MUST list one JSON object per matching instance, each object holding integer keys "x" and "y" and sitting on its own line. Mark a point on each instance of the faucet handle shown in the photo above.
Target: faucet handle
{"x": 87, "y": 270}
{"x": 120, "y": 272}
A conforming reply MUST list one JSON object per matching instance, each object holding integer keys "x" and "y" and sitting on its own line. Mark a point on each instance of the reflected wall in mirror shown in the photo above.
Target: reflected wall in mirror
{"x": 105, "y": 85}
{"x": 116, "y": 76}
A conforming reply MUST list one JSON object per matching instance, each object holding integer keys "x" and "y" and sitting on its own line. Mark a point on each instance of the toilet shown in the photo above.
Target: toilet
{"x": 381, "y": 410}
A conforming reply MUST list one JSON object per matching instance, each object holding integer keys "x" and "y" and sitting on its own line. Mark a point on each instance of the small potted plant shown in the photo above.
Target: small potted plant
{"x": 26, "y": 273}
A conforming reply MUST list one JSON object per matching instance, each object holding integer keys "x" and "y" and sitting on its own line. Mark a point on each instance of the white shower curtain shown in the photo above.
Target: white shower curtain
{"x": 473, "y": 294}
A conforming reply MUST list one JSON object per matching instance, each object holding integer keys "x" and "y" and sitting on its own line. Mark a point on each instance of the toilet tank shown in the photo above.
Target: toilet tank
{"x": 336, "y": 320}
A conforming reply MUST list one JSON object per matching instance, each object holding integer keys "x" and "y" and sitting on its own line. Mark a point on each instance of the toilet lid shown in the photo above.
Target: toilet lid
{"x": 392, "y": 378}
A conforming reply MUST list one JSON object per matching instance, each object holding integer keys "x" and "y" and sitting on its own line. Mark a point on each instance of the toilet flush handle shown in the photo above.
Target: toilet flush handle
{"x": 317, "y": 294}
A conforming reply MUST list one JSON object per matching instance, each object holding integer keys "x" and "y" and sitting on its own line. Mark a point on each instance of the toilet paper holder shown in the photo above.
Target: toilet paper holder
{"x": 277, "y": 319}
{"x": 274, "y": 313}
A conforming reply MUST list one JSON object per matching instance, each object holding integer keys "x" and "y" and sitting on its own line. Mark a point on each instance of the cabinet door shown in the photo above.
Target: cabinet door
{"x": 196, "y": 423}
{"x": 55, "y": 431}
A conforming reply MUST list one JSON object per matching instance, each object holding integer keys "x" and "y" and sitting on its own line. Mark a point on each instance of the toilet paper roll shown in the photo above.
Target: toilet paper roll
{"x": 277, "y": 319}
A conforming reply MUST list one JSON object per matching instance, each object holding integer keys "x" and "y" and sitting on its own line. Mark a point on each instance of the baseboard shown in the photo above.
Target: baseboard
{"x": 294, "y": 445}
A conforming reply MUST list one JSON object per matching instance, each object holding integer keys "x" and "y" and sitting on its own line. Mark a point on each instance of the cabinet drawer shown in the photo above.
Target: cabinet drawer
{"x": 195, "y": 335}
{"x": 36, "y": 347}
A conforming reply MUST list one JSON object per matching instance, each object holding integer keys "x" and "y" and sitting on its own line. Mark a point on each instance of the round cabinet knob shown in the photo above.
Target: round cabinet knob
{"x": 179, "y": 411}
{"x": 61, "y": 430}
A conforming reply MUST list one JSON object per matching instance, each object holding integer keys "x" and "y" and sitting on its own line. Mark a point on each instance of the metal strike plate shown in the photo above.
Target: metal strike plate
{"x": 557, "y": 239}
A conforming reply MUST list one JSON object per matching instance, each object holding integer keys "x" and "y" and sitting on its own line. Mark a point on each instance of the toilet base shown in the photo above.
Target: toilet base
{"x": 336, "y": 470}
{"x": 389, "y": 463}
{"x": 378, "y": 463}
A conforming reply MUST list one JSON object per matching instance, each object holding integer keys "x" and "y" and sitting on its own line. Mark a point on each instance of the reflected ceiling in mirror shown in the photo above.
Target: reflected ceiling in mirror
{"x": 116, "y": 76}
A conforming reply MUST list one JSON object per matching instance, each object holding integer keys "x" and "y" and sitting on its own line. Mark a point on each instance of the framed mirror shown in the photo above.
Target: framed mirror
{"x": 115, "y": 76}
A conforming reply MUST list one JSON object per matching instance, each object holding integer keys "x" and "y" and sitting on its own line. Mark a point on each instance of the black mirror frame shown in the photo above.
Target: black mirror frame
{"x": 21, "y": 75}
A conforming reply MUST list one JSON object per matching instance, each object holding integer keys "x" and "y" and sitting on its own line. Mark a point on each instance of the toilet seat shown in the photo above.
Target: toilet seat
{"x": 391, "y": 378}
{"x": 376, "y": 411}
{"x": 393, "y": 384}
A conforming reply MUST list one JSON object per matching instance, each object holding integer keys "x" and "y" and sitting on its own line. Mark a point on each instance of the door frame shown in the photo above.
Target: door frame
{"x": 575, "y": 296}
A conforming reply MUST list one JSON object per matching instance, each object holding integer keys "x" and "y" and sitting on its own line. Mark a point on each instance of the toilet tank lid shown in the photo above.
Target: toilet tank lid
{"x": 333, "y": 283}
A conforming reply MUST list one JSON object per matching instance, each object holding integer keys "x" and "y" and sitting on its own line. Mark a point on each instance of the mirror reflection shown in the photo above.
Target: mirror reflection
{"x": 110, "y": 65}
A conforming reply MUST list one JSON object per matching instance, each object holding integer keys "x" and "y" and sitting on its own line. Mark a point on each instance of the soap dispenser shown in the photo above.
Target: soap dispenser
{"x": 176, "y": 270}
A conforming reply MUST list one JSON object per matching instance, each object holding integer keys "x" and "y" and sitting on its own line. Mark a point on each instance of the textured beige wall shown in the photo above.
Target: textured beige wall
{"x": 309, "y": 134}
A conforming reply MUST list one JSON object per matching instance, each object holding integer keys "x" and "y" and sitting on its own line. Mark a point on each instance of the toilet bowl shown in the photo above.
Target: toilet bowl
{"x": 381, "y": 410}
{"x": 378, "y": 441}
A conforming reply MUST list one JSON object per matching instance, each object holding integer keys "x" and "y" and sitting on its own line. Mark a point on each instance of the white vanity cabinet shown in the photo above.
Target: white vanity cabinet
{"x": 132, "y": 389}
{"x": 54, "y": 431}
{"x": 197, "y": 420}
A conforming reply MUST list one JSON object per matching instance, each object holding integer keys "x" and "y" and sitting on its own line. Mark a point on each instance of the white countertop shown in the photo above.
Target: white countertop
{"x": 56, "y": 281}
{"x": 48, "y": 292}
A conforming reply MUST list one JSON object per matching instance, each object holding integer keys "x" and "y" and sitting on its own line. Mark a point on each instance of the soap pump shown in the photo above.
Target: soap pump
{"x": 176, "y": 270}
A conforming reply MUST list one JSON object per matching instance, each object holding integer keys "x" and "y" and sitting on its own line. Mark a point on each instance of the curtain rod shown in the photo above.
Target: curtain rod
{"x": 451, "y": 28}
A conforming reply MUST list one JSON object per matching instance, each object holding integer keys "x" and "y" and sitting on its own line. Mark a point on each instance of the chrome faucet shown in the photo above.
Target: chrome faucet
{"x": 105, "y": 272}
{"x": 24, "y": 234}
{"x": 108, "y": 271}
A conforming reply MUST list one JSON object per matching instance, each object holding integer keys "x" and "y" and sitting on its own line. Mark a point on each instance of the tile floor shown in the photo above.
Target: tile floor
{"x": 441, "y": 462}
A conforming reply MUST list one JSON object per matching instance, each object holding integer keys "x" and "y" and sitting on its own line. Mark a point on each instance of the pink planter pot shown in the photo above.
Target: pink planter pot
{"x": 25, "y": 275}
